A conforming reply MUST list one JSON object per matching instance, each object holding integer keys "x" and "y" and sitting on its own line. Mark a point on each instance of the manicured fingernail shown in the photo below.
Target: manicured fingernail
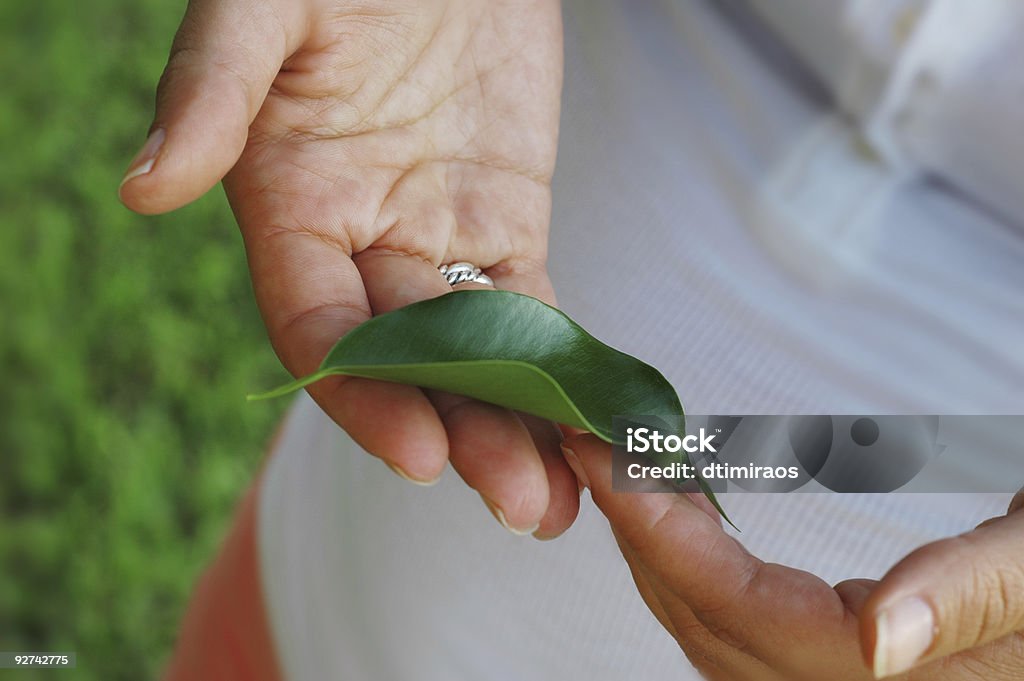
{"x": 416, "y": 481}
{"x": 575, "y": 465}
{"x": 499, "y": 515}
{"x": 144, "y": 160}
{"x": 903, "y": 634}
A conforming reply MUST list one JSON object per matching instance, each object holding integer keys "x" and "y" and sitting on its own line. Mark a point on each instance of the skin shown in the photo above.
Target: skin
{"x": 738, "y": 618}
{"x": 362, "y": 144}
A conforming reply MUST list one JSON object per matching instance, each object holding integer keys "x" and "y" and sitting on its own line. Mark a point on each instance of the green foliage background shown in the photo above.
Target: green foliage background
{"x": 127, "y": 345}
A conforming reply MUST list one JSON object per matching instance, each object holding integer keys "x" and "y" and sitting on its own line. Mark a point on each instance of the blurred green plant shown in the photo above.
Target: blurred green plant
{"x": 126, "y": 350}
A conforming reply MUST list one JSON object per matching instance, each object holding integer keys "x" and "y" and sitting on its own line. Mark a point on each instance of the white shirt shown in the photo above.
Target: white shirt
{"x": 675, "y": 210}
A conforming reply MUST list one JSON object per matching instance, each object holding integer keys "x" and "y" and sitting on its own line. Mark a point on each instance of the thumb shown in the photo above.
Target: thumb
{"x": 223, "y": 60}
{"x": 948, "y": 597}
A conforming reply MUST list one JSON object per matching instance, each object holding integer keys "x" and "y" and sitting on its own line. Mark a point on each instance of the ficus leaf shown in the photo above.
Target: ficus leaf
{"x": 507, "y": 349}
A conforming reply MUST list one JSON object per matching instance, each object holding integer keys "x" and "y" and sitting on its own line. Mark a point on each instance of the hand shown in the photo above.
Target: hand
{"x": 739, "y": 618}
{"x": 364, "y": 144}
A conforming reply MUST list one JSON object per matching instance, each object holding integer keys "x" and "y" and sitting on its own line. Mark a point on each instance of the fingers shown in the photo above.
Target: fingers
{"x": 645, "y": 587}
{"x": 666, "y": 531}
{"x": 946, "y": 597}
{"x": 224, "y": 58}
{"x": 310, "y": 295}
{"x": 489, "y": 446}
{"x": 855, "y": 592}
{"x": 493, "y": 452}
{"x": 709, "y": 655}
{"x": 731, "y": 593}
{"x": 395, "y": 423}
{"x": 563, "y": 487}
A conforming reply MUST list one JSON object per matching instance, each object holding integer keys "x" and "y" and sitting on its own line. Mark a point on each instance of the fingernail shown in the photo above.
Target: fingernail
{"x": 545, "y": 537}
{"x": 499, "y": 515}
{"x": 416, "y": 481}
{"x": 144, "y": 160}
{"x": 903, "y": 634}
{"x": 575, "y": 465}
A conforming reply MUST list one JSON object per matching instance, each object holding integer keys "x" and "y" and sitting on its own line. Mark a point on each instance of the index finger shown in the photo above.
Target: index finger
{"x": 782, "y": 616}
{"x": 673, "y": 537}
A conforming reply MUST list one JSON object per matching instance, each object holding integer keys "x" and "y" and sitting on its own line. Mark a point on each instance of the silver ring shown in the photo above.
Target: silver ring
{"x": 463, "y": 272}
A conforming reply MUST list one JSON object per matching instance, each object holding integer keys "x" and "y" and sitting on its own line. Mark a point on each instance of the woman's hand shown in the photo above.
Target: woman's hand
{"x": 365, "y": 143}
{"x": 953, "y": 610}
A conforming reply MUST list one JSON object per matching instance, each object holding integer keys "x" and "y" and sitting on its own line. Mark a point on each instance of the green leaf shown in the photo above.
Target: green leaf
{"x": 507, "y": 349}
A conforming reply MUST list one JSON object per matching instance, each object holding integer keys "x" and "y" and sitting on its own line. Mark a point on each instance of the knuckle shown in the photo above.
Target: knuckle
{"x": 178, "y": 61}
{"x": 1004, "y": 600}
{"x": 993, "y": 603}
{"x": 338, "y": 314}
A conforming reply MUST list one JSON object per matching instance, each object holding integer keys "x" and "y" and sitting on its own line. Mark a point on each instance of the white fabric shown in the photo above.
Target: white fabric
{"x": 672, "y": 122}
{"x": 932, "y": 83}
